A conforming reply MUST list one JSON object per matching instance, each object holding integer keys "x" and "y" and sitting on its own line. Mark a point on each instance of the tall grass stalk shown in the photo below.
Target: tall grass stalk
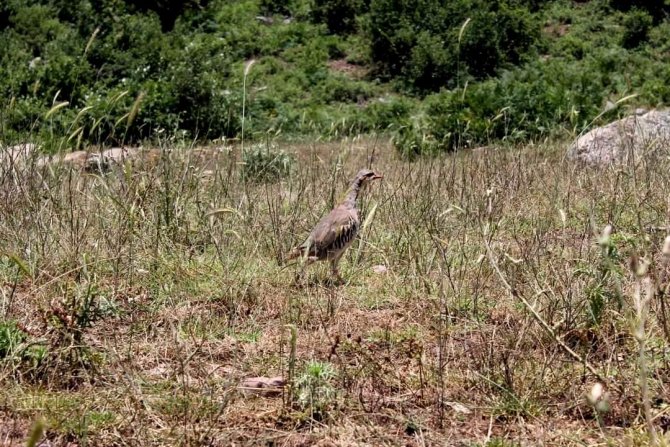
{"x": 642, "y": 295}
{"x": 247, "y": 69}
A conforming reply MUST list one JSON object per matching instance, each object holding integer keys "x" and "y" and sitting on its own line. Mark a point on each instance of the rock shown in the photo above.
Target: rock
{"x": 17, "y": 154}
{"x": 458, "y": 407}
{"x": 262, "y": 385}
{"x": 96, "y": 163}
{"x": 77, "y": 158}
{"x": 104, "y": 161}
{"x": 120, "y": 154}
{"x": 379, "y": 269}
{"x": 640, "y": 134}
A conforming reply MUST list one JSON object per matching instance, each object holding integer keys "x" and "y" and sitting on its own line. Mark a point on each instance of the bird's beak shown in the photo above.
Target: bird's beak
{"x": 377, "y": 177}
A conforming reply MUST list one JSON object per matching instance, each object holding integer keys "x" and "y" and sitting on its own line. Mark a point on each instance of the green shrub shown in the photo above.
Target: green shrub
{"x": 529, "y": 102}
{"x": 270, "y": 7}
{"x": 637, "y": 24}
{"x": 339, "y": 15}
{"x": 264, "y": 163}
{"x": 180, "y": 68}
{"x": 341, "y": 89}
{"x": 412, "y": 140}
{"x": 388, "y": 112}
{"x": 500, "y": 33}
{"x": 658, "y": 9}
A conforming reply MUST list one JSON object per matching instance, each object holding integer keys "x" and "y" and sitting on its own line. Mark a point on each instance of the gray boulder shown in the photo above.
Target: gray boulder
{"x": 640, "y": 135}
{"x": 17, "y": 155}
{"x": 98, "y": 162}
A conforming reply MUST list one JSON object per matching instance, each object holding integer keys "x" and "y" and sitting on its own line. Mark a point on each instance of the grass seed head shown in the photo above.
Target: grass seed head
{"x": 666, "y": 247}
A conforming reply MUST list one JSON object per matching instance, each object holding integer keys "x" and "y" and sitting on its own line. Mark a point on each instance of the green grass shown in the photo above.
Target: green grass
{"x": 151, "y": 310}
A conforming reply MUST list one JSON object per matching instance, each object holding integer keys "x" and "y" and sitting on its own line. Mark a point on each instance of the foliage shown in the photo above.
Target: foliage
{"x": 424, "y": 43}
{"x": 637, "y": 25}
{"x": 187, "y": 79}
{"x": 264, "y": 163}
{"x": 315, "y": 392}
{"x": 339, "y": 15}
{"x": 657, "y": 9}
{"x": 522, "y": 104}
{"x": 10, "y": 337}
{"x": 443, "y": 75}
{"x": 563, "y": 92}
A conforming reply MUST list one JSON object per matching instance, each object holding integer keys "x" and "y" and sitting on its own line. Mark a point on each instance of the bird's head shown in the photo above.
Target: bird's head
{"x": 365, "y": 176}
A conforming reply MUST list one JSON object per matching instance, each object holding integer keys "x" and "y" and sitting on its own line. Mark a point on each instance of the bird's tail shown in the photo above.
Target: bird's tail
{"x": 301, "y": 250}
{"x": 295, "y": 253}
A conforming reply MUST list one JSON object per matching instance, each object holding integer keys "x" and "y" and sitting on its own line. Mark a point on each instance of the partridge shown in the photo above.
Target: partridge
{"x": 335, "y": 232}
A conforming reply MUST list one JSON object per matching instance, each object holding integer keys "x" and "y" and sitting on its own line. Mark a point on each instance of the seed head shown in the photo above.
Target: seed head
{"x": 639, "y": 266}
{"x": 604, "y": 239}
{"x": 596, "y": 393}
{"x": 666, "y": 247}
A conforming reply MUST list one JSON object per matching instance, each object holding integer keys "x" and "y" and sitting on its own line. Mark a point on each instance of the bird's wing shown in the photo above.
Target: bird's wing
{"x": 333, "y": 231}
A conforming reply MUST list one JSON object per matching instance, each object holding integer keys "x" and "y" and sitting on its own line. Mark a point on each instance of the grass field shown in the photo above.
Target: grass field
{"x": 134, "y": 304}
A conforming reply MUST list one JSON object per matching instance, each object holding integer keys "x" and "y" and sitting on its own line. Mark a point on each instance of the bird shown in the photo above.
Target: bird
{"x": 335, "y": 232}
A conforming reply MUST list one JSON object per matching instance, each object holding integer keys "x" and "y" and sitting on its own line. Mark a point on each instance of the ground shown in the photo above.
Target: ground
{"x": 135, "y": 304}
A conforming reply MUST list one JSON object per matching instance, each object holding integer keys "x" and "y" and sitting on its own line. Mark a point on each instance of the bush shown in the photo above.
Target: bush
{"x": 387, "y": 113}
{"x": 637, "y": 24}
{"x": 525, "y": 103}
{"x": 658, "y": 9}
{"x": 264, "y": 163}
{"x": 111, "y": 57}
{"x": 339, "y": 16}
{"x": 499, "y": 34}
{"x": 341, "y": 89}
{"x": 270, "y": 7}
{"x": 412, "y": 140}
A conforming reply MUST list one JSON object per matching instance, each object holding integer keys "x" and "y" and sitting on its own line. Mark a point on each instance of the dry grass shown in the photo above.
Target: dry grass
{"x": 141, "y": 313}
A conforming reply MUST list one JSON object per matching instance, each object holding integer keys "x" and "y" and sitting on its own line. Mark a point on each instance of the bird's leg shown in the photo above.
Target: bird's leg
{"x": 334, "y": 269}
{"x": 301, "y": 275}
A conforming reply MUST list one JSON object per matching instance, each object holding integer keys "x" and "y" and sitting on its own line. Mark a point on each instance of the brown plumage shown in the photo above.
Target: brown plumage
{"x": 337, "y": 230}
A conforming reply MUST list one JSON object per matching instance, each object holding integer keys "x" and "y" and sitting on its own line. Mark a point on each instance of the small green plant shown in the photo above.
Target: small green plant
{"x": 500, "y": 442}
{"x": 604, "y": 289}
{"x": 36, "y": 433}
{"x": 264, "y": 163}
{"x": 314, "y": 391}
{"x": 10, "y": 337}
{"x": 22, "y": 354}
{"x": 68, "y": 359}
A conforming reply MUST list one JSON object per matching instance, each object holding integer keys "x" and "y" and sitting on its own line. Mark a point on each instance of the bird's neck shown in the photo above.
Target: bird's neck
{"x": 352, "y": 193}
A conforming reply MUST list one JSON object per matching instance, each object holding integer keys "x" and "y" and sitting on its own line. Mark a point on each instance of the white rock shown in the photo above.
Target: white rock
{"x": 379, "y": 269}
{"x": 639, "y": 135}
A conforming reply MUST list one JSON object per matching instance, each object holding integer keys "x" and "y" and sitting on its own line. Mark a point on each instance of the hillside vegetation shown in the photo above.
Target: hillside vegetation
{"x": 437, "y": 75}
{"x": 494, "y": 297}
